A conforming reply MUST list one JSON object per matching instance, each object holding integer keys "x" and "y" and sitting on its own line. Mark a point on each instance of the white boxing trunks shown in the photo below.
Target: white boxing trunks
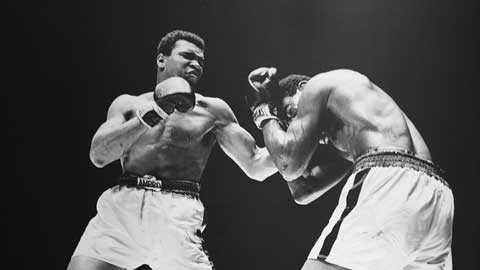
{"x": 136, "y": 226}
{"x": 394, "y": 212}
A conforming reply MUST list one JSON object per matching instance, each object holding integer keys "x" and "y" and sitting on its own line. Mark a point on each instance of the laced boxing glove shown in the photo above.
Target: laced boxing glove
{"x": 263, "y": 81}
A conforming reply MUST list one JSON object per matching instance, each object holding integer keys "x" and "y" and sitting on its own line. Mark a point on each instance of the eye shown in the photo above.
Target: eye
{"x": 188, "y": 56}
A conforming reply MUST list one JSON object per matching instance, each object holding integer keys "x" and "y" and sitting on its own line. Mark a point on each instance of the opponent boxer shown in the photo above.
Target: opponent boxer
{"x": 163, "y": 140}
{"x": 395, "y": 210}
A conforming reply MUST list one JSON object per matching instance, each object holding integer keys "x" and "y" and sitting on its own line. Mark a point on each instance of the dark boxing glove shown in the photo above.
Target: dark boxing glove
{"x": 182, "y": 102}
{"x": 151, "y": 115}
{"x": 169, "y": 95}
{"x": 263, "y": 82}
{"x": 174, "y": 93}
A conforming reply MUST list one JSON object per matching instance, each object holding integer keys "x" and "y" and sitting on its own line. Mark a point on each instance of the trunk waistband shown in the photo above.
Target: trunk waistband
{"x": 378, "y": 157}
{"x": 185, "y": 187}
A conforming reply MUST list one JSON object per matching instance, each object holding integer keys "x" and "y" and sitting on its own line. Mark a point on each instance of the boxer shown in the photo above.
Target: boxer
{"x": 395, "y": 210}
{"x": 163, "y": 139}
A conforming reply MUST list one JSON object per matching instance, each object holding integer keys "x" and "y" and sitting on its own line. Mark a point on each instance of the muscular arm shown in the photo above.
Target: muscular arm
{"x": 117, "y": 133}
{"x": 292, "y": 149}
{"x": 326, "y": 169}
{"x": 239, "y": 145}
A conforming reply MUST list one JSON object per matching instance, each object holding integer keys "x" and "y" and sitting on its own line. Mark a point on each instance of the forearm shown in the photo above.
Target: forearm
{"x": 109, "y": 143}
{"x": 318, "y": 180}
{"x": 283, "y": 151}
{"x": 261, "y": 165}
{"x": 274, "y": 137}
{"x": 241, "y": 147}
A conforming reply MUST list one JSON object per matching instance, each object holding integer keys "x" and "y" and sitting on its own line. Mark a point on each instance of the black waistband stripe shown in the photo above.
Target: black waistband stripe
{"x": 186, "y": 187}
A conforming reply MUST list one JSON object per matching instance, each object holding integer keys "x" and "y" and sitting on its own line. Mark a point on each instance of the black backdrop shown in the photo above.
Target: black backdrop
{"x": 66, "y": 61}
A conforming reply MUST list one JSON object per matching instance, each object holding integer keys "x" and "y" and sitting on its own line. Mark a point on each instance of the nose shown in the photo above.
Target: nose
{"x": 195, "y": 64}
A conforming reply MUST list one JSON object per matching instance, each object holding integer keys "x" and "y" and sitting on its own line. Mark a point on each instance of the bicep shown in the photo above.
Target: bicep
{"x": 239, "y": 144}
{"x": 235, "y": 141}
{"x": 118, "y": 113}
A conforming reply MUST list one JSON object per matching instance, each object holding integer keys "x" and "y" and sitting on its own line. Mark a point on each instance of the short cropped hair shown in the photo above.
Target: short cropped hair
{"x": 288, "y": 85}
{"x": 167, "y": 43}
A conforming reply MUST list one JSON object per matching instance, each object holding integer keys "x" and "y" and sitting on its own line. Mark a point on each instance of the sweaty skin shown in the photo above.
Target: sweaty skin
{"x": 179, "y": 147}
{"x": 353, "y": 113}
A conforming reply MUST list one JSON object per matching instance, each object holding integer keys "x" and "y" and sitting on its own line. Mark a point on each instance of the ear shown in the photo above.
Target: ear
{"x": 161, "y": 61}
{"x": 301, "y": 84}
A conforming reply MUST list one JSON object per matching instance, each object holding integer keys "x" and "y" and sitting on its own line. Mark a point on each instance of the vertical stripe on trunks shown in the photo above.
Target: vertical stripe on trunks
{"x": 352, "y": 198}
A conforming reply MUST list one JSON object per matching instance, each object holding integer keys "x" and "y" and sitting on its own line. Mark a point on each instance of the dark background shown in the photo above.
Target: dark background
{"x": 67, "y": 60}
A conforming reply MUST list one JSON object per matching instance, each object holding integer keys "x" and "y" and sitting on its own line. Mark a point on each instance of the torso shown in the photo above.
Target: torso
{"x": 178, "y": 148}
{"x": 368, "y": 118}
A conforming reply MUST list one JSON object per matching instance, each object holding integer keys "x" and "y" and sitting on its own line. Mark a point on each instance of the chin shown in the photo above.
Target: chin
{"x": 191, "y": 81}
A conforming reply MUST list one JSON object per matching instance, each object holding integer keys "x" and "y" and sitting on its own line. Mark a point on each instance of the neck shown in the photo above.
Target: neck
{"x": 161, "y": 77}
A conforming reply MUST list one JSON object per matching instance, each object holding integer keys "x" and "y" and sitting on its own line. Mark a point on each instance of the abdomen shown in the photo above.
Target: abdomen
{"x": 168, "y": 161}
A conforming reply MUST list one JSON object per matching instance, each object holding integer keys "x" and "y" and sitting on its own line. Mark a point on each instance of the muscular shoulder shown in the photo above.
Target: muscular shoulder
{"x": 322, "y": 85}
{"x": 338, "y": 79}
{"x": 218, "y": 108}
{"x": 125, "y": 103}
{"x": 341, "y": 86}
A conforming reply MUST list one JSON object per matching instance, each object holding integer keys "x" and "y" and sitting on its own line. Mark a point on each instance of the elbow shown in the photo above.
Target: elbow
{"x": 289, "y": 170}
{"x": 97, "y": 160}
{"x": 258, "y": 178}
{"x": 290, "y": 175}
{"x": 299, "y": 195}
{"x": 259, "y": 166}
{"x": 256, "y": 175}
{"x": 304, "y": 198}
{"x": 301, "y": 200}
{"x": 95, "y": 157}
{"x": 288, "y": 165}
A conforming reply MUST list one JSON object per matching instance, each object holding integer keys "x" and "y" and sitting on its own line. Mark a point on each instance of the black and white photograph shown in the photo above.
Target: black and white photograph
{"x": 241, "y": 135}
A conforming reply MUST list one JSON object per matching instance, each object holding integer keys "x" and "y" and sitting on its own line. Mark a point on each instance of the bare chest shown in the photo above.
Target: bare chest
{"x": 182, "y": 129}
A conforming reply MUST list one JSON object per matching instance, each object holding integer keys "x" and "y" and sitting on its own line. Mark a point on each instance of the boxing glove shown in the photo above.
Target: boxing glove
{"x": 169, "y": 95}
{"x": 263, "y": 82}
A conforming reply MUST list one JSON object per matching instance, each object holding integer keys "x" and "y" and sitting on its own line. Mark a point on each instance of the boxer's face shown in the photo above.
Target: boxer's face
{"x": 186, "y": 60}
{"x": 290, "y": 103}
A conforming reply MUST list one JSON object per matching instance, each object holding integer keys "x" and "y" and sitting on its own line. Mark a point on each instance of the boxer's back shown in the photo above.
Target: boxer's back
{"x": 177, "y": 149}
{"x": 362, "y": 116}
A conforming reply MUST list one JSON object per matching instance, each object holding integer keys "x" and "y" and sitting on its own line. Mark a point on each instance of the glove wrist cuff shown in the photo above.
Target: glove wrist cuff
{"x": 262, "y": 113}
{"x": 151, "y": 116}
